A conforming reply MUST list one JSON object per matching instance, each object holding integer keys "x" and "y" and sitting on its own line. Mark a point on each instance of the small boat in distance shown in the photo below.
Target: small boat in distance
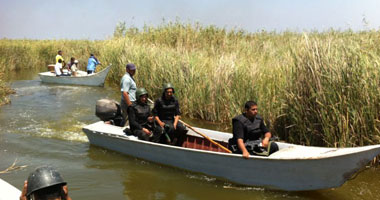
{"x": 82, "y": 78}
{"x": 292, "y": 168}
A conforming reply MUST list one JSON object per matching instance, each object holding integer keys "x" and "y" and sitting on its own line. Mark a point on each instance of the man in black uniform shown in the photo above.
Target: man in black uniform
{"x": 247, "y": 130}
{"x": 167, "y": 114}
{"x": 141, "y": 120}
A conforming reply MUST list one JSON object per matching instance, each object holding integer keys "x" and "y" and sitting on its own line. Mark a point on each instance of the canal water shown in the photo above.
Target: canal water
{"x": 42, "y": 126}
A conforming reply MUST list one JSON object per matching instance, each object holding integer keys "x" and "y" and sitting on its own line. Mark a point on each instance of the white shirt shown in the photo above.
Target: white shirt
{"x": 57, "y": 68}
{"x": 74, "y": 67}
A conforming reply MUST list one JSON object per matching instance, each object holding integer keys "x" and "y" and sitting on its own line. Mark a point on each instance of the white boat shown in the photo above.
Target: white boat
{"x": 82, "y": 78}
{"x": 292, "y": 168}
{"x": 8, "y": 191}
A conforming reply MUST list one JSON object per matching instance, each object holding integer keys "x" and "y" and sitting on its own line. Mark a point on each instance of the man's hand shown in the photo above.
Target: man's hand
{"x": 265, "y": 141}
{"x": 245, "y": 154}
{"x": 66, "y": 191}
{"x": 150, "y": 119}
{"x": 162, "y": 124}
{"x": 146, "y": 131}
{"x": 23, "y": 193}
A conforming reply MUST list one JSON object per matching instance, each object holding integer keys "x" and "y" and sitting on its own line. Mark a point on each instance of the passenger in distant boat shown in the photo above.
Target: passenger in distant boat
{"x": 74, "y": 68}
{"x": 128, "y": 89}
{"x": 45, "y": 183}
{"x": 59, "y": 56}
{"x": 58, "y": 69}
{"x": 141, "y": 120}
{"x": 248, "y": 128}
{"x": 91, "y": 64}
{"x": 167, "y": 113}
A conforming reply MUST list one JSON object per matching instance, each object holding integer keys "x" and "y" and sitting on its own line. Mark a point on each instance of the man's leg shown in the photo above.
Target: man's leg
{"x": 180, "y": 133}
{"x": 141, "y": 135}
{"x": 124, "y": 112}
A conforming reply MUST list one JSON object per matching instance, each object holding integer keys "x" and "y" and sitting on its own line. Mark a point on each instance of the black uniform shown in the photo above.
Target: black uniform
{"x": 166, "y": 110}
{"x": 138, "y": 114}
{"x": 250, "y": 131}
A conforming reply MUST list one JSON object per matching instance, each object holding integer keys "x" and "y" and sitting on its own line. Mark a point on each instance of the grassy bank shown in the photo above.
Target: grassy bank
{"x": 314, "y": 88}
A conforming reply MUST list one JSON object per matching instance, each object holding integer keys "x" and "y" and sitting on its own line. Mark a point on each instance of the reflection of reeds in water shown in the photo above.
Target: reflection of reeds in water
{"x": 316, "y": 88}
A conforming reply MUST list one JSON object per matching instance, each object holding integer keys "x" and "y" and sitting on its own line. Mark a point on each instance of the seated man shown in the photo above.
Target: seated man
{"x": 58, "y": 68}
{"x": 141, "y": 120}
{"x": 167, "y": 114}
{"x": 74, "y": 68}
{"x": 247, "y": 130}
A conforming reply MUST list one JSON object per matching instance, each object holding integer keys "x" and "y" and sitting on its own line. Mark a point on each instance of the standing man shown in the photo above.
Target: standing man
{"x": 128, "y": 89}
{"x": 247, "y": 130}
{"x": 91, "y": 64}
{"x": 167, "y": 113}
{"x": 59, "y": 56}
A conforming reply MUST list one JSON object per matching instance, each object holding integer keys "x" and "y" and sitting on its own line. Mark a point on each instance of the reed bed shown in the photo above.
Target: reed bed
{"x": 312, "y": 88}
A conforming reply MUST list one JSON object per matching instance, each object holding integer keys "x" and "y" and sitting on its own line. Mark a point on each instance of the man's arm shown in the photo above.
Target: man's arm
{"x": 126, "y": 98}
{"x": 177, "y": 114}
{"x": 155, "y": 113}
{"x": 176, "y": 119}
{"x": 267, "y": 134}
{"x": 242, "y": 148}
{"x": 238, "y": 131}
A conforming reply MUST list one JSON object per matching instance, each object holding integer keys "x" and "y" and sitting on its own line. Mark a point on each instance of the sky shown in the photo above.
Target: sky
{"x": 97, "y": 19}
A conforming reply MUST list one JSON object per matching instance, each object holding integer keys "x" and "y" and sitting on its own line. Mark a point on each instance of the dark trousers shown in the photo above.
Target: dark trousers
{"x": 156, "y": 133}
{"x": 124, "y": 111}
{"x": 177, "y": 136}
{"x": 90, "y": 71}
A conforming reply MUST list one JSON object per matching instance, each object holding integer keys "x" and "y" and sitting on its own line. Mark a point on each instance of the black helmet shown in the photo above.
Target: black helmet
{"x": 167, "y": 86}
{"x": 140, "y": 91}
{"x": 43, "y": 177}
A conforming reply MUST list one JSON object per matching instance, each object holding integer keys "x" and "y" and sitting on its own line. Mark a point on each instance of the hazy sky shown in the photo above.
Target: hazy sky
{"x": 96, "y": 19}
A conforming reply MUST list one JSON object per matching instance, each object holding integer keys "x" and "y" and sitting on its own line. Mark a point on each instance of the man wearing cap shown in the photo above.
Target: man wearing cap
{"x": 45, "y": 183}
{"x": 128, "y": 89}
{"x": 74, "y": 68}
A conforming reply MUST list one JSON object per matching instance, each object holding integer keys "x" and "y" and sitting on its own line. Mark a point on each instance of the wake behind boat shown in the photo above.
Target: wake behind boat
{"x": 82, "y": 78}
{"x": 292, "y": 168}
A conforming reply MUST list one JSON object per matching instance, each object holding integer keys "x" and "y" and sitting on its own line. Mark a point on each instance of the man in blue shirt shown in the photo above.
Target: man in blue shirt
{"x": 128, "y": 89}
{"x": 92, "y": 63}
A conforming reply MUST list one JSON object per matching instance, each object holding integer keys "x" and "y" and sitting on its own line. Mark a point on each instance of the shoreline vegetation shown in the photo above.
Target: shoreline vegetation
{"x": 312, "y": 88}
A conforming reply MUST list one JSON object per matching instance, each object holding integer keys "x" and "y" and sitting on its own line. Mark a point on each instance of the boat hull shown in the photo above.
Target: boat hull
{"x": 290, "y": 174}
{"x": 8, "y": 191}
{"x": 96, "y": 79}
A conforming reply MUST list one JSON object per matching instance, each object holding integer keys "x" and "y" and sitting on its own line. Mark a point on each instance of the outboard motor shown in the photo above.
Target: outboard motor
{"x": 109, "y": 110}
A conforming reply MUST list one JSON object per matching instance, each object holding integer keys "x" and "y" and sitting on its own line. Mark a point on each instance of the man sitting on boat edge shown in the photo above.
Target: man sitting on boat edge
{"x": 141, "y": 120}
{"x": 247, "y": 129}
